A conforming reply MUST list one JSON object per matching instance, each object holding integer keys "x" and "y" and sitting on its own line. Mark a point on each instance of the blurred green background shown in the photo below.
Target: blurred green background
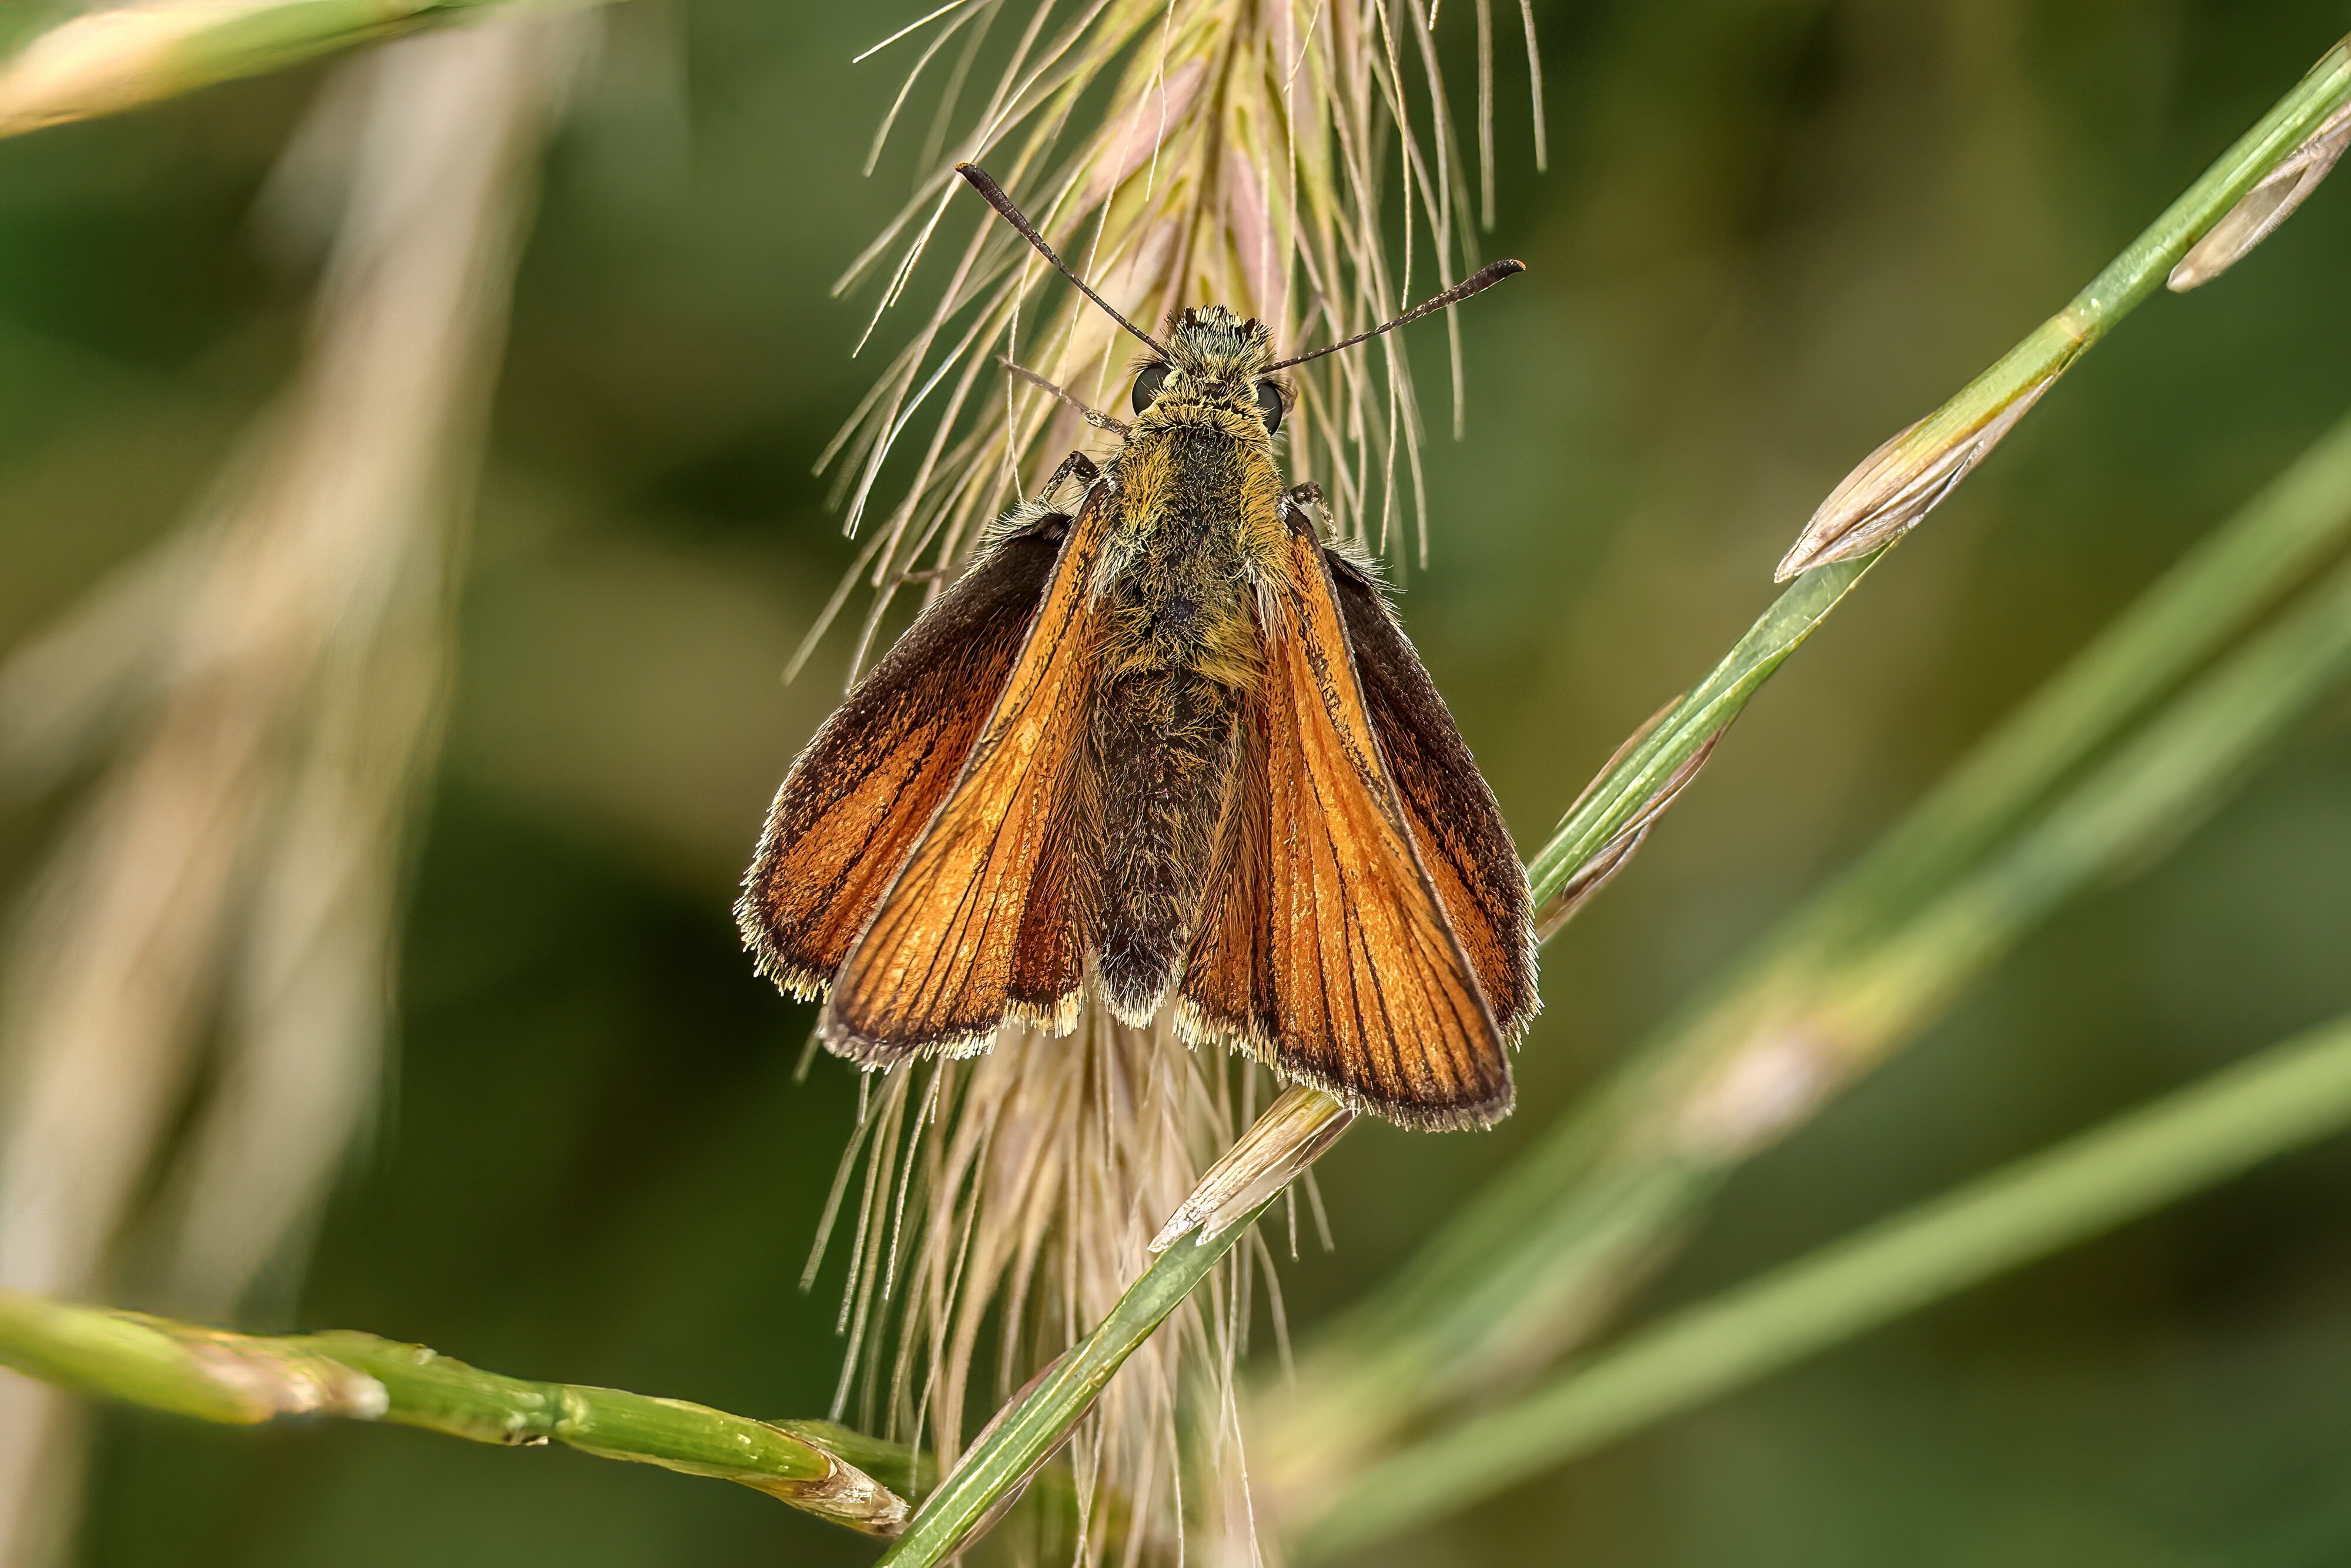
{"x": 1772, "y": 233}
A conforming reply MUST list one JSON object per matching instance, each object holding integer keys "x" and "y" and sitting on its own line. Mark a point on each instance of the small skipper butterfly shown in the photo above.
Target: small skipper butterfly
{"x": 1166, "y": 737}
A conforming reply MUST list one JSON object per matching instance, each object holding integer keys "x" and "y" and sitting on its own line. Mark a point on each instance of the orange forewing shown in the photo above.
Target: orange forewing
{"x": 1322, "y": 942}
{"x": 855, "y": 803}
{"x": 981, "y": 921}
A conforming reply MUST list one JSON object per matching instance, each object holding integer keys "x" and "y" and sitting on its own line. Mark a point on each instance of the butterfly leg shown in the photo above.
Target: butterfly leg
{"x": 1076, "y": 465}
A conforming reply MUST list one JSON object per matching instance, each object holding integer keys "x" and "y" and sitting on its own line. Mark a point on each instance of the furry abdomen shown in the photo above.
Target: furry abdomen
{"x": 1165, "y": 743}
{"x": 1183, "y": 648}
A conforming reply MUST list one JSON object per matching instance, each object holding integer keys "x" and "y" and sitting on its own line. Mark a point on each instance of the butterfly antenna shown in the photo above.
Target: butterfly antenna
{"x": 1093, "y": 416}
{"x": 987, "y": 187}
{"x": 1478, "y": 282}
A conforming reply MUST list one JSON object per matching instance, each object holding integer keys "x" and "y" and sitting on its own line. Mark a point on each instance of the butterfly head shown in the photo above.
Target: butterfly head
{"x": 1214, "y": 359}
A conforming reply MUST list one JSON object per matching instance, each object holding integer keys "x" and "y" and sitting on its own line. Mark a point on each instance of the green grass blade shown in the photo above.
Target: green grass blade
{"x": 213, "y": 1374}
{"x": 108, "y": 61}
{"x": 1955, "y": 437}
{"x": 1552, "y": 1242}
{"x": 1898, "y": 484}
{"x": 1618, "y": 799}
{"x": 2292, "y": 1095}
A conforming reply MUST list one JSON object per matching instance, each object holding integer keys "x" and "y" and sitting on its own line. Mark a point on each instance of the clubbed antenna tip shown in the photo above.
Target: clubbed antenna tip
{"x": 985, "y": 184}
{"x": 1478, "y": 282}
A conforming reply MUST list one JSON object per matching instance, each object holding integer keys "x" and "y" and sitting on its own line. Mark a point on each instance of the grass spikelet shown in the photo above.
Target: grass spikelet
{"x": 1256, "y": 155}
{"x": 1260, "y": 156}
{"x": 1005, "y": 1203}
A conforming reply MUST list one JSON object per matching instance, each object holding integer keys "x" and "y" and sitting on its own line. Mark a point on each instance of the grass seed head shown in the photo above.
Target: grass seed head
{"x": 1176, "y": 153}
{"x": 1896, "y": 486}
{"x": 2261, "y": 209}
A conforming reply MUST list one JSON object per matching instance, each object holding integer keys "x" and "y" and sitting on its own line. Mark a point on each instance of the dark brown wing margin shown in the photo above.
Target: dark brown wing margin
{"x": 856, "y": 801}
{"x": 1457, "y": 823}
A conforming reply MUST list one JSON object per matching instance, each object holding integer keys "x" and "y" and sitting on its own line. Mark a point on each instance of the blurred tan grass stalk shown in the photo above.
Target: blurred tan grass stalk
{"x": 117, "y": 58}
{"x": 1247, "y": 152}
{"x": 234, "y": 871}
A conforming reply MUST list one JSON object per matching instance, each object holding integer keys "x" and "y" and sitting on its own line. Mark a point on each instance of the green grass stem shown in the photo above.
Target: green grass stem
{"x": 1549, "y": 1246}
{"x": 1895, "y": 487}
{"x": 213, "y": 1374}
{"x": 2290, "y": 1096}
{"x": 1617, "y": 801}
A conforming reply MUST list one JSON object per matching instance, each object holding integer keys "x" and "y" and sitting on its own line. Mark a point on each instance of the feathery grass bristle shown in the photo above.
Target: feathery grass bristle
{"x": 1255, "y": 156}
{"x": 1250, "y": 155}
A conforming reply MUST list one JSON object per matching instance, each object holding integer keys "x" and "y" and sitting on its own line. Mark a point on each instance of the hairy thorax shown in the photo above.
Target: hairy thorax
{"x": 1199, "y": 529}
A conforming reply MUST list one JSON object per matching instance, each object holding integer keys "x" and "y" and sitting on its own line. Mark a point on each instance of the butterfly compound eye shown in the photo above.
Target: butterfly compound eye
{"x": 1269, "y": 406}
{"x": 1147, "y": 385}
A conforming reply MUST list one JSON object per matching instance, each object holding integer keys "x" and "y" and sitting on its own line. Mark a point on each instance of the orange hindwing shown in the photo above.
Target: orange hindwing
{"x": 1323, "y": 943}
{"x": 1457, "y": 825}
